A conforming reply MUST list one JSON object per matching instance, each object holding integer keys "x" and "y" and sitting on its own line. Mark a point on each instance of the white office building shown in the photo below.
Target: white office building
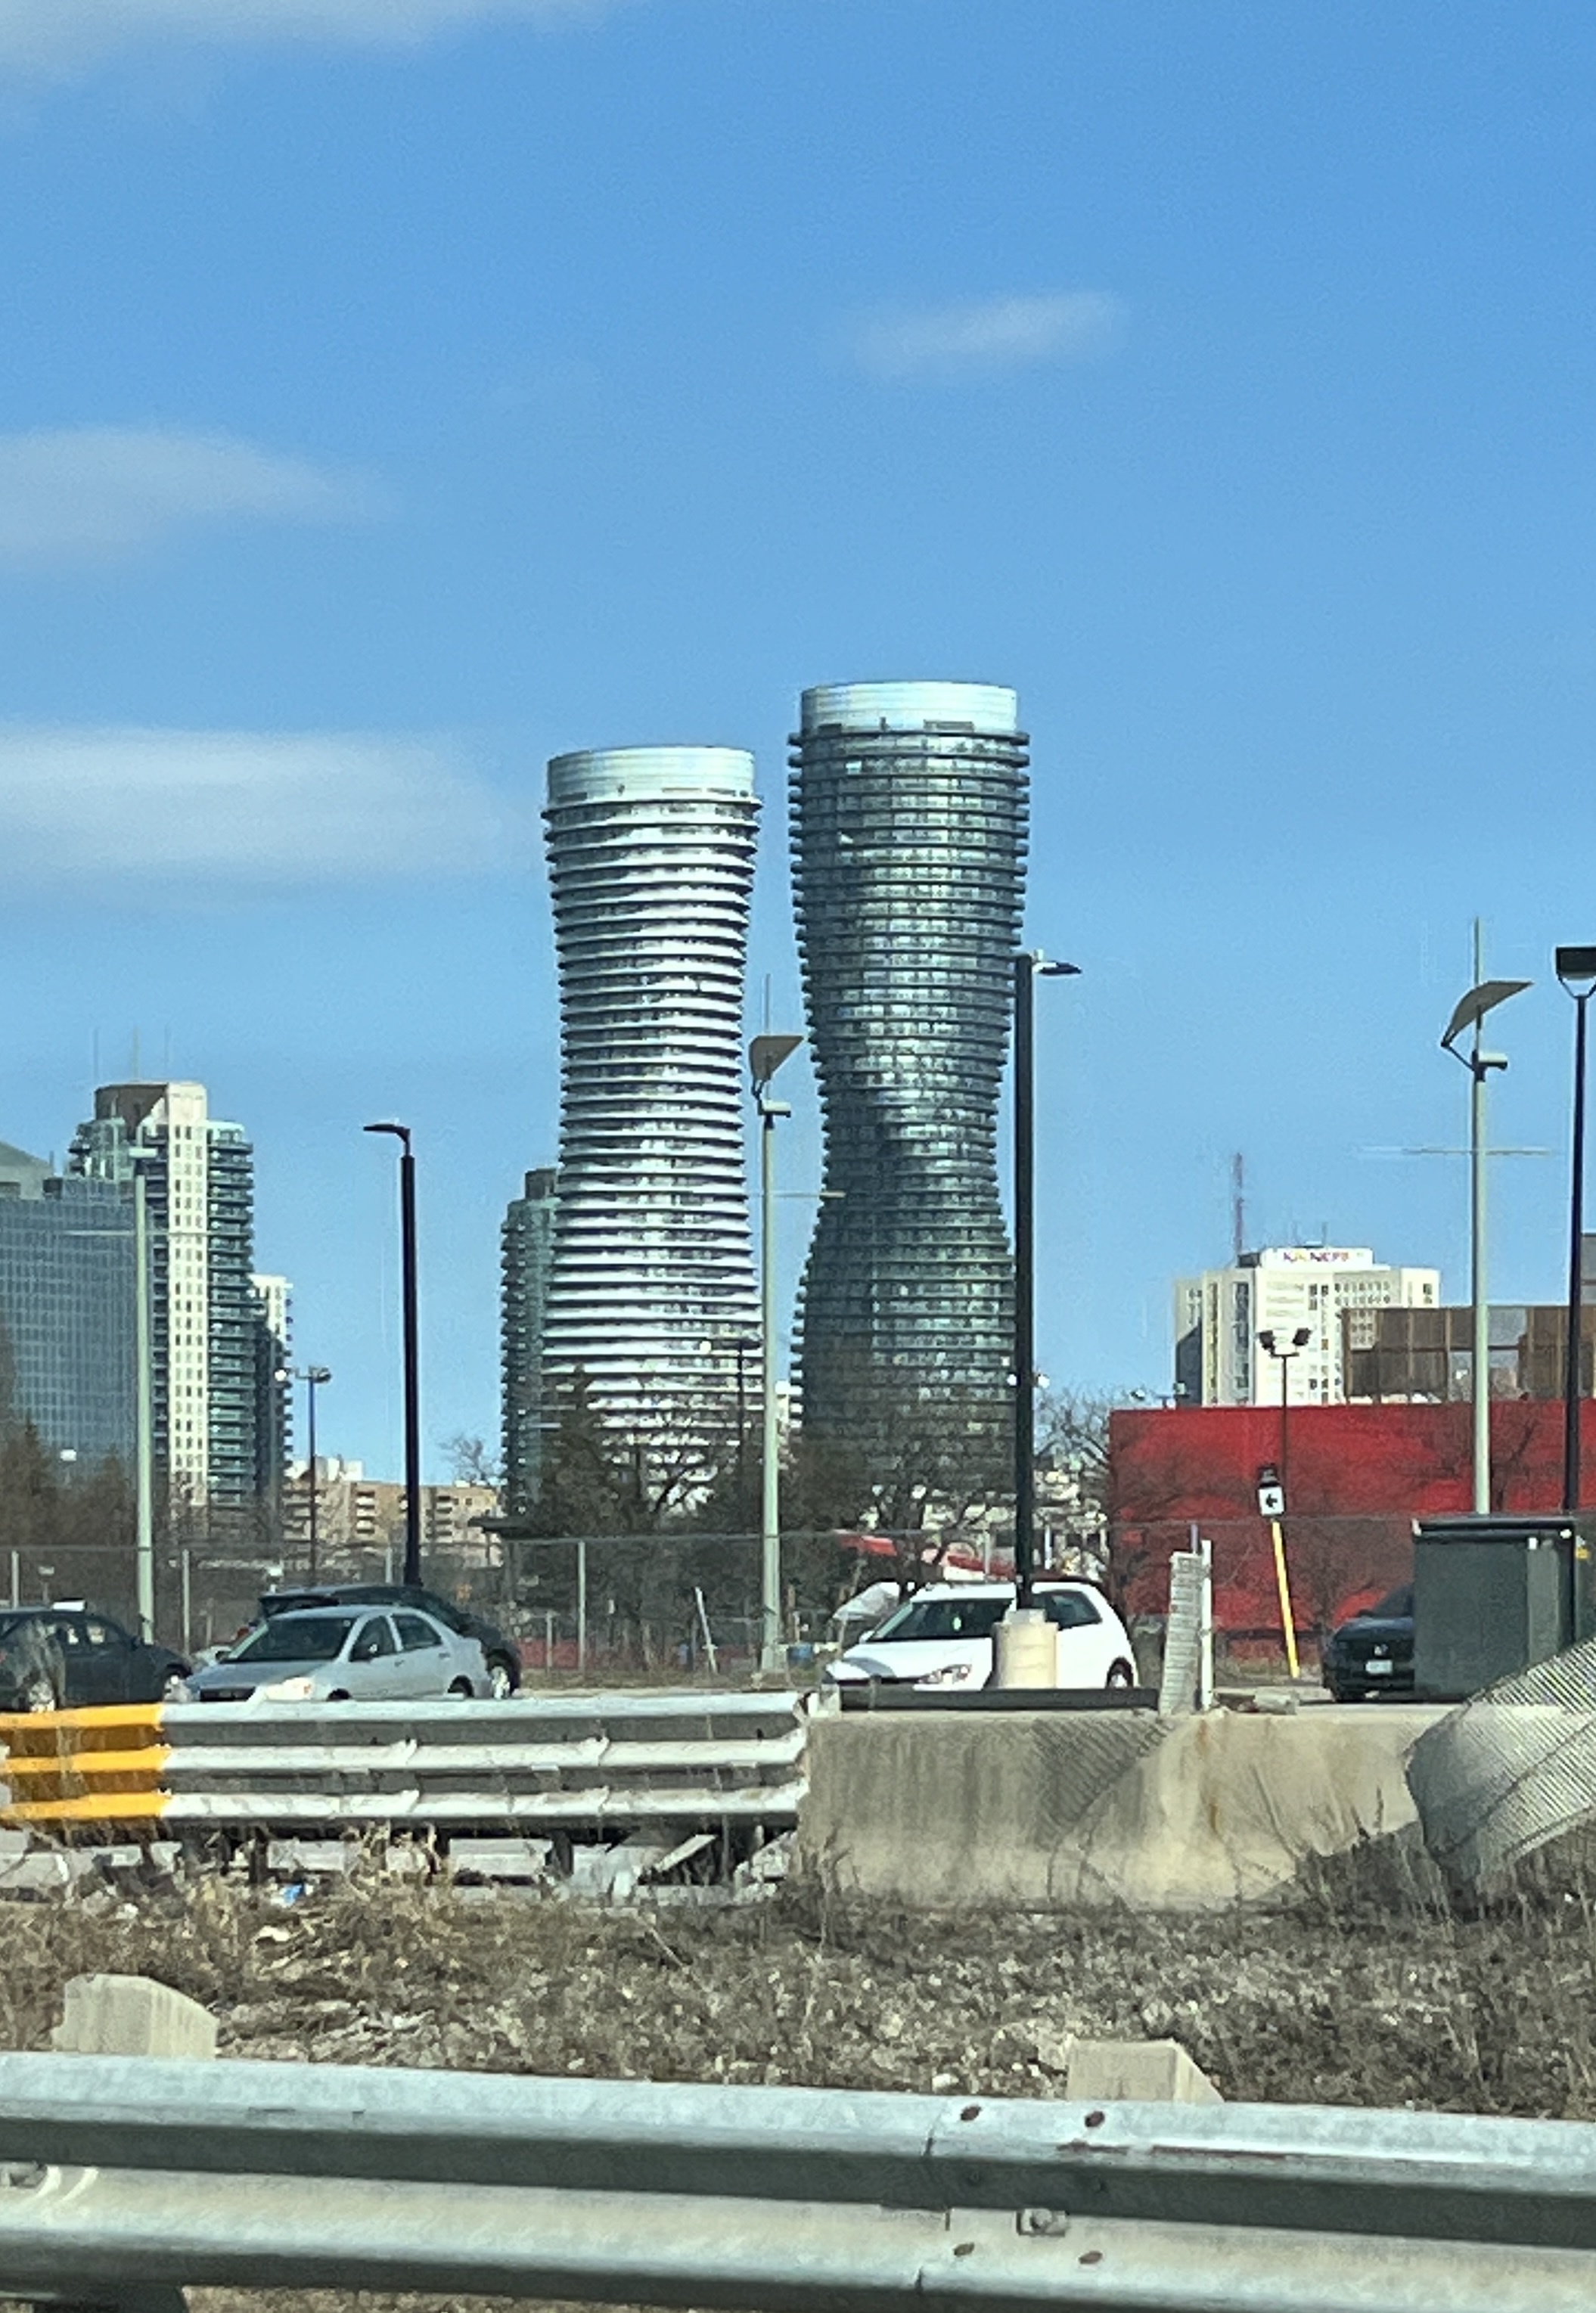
{"x": 1284, "y": 1289}
{"x": 650, "y": 1288}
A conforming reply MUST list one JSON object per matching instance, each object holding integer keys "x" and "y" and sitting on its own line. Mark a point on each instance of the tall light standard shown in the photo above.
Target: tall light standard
{"x": 1027, "y": 967}
{"x": 312, "y": 1377}
{"x": 1482, "y": 998}
{"x": 765, "y": 1056}
{"x": 1576, "y": 968}
{"x": 1288, "y": 1620}
{"x": 413, "y": 1383}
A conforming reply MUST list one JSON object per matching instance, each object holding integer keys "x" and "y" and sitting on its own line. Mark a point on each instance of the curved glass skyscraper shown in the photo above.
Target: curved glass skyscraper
{"x": 909, "y": 818}
{"x": 650, "y": 1283}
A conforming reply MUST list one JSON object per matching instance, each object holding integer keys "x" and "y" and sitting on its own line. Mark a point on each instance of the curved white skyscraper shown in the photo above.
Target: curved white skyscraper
{"x": 651, "y": 1284}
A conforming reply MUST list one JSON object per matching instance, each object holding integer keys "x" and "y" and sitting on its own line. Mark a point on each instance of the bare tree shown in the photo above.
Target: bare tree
{"x": 472, "y": 1460}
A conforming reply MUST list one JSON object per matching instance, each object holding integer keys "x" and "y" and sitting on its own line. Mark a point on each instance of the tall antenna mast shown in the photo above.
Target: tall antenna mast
{"x": 1238, "y": 1207}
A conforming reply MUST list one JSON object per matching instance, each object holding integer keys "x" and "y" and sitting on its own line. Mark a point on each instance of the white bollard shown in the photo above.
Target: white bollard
{"x": 1025, "y": 1650}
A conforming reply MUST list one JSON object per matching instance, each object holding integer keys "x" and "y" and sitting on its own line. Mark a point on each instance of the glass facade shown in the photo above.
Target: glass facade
{"x": 67, "y": 1313}
{"x": 909, "y": 823}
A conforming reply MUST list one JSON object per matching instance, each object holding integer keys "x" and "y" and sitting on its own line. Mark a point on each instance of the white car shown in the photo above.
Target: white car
{"x": 942, "y": 1636}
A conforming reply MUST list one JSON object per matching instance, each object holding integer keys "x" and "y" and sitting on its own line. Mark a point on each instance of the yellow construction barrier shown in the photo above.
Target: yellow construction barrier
{"x": 103, "y": 1766}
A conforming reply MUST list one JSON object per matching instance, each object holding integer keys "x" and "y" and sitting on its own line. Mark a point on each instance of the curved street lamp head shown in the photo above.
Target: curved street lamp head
{"x": 766, "y": 1054}
{"x": 402, "y": 1132}
{"x": 1471, "y": 1009}
{"x": 317, "y": 1373}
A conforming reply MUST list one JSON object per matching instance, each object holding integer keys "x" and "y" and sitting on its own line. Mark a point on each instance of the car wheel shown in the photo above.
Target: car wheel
{"x": 38, "y": 1693}
{"x": 174, "y": 1686}
{"x": 339, "y": 1697}
{"x": 501, "y": 1685}
{"x": 1120, "y": 1674}
{"x": 461, "y": 1690}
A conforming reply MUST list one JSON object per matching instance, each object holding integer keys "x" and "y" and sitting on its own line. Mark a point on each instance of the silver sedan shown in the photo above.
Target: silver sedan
{"x": 343, "y": 1654}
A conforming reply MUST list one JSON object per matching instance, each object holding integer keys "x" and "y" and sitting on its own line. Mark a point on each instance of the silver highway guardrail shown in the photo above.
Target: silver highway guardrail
{"x": 540, "y": 1762}
{"x": 122, "y": 2175}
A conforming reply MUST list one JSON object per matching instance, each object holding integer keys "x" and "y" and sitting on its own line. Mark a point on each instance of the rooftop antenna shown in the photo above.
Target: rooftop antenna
{"x": 1238, "y": 1207}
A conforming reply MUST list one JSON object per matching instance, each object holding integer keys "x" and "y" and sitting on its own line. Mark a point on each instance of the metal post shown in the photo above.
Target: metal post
{"x": 1025, "y": 1350}
{"x": 16, "y": 1578}
{"x": 310, "y": 1403}
{"x": 186, "y": 1574}
{"x": 144, "y": 1429}
{"x": 582, "y": 1607}
{"x": 770, "y": 1463}
{"x": 1478, "y": 1285}
{"x": 1571, "y": 1355}
{"x": 412, "y": 1374}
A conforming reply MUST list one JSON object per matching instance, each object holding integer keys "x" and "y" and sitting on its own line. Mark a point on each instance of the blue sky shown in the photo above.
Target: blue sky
{"x": 399, "y": 391}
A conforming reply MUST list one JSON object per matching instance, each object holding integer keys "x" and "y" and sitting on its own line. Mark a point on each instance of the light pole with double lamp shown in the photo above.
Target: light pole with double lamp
{"x": 412, "y": 1383}
{"x": 312, "y": 1377}
{"x": 1483, "y": 997}
{"x": 1576, "y": 968}
{"x": 765, "y": 1055}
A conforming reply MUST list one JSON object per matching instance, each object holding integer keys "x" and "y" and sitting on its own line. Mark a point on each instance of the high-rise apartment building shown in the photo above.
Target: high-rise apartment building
{"x": 526, "y": 1254}
{"x": 67, "y": 1307}
{"x": 909, "y": 819}
{"x": 1283, "y": 1289}
{"x": 205, "y": 1313}
{"x": 651, "y": 1281}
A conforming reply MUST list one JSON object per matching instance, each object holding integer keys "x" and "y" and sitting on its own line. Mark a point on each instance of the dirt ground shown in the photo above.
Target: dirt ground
{"x": 1324, "y": 1999}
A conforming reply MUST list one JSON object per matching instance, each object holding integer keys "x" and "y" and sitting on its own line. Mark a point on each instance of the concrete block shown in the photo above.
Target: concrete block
{"x": 514, "y": 1860}
{"x": 1135, "y": 2072}
{"x": 132, "y": 2016}
{"x": 309, "y": 1858}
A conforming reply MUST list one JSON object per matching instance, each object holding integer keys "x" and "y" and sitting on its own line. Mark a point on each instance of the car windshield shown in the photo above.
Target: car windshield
{"x": 945, "y": 1618}
{"x": 296, "y": 1637}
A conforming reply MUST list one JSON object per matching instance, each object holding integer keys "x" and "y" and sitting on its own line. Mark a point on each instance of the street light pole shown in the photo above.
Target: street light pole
{"x": 1288, "y": 1617}
{"x": 1576, "y": 968}
{"x": 312, "y": 1377}
{"x": 765, "y": 1055}
{"x": 144, "y": 1411}
{"x": 412, "y": 1385}
{"x": 1482, "y": 998}
{"x": 1026, "y": 967}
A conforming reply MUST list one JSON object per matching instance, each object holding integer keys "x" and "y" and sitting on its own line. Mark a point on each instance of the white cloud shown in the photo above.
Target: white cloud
{"x": 58, "y": 36}
{"x": 96, "y": 493}
{"x": 991, "y": 334}
{"x": 195, "y": 809}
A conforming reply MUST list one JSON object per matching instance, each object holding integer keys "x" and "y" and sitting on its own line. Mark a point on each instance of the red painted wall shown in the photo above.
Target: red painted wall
{"x": 1357, "y": 1476}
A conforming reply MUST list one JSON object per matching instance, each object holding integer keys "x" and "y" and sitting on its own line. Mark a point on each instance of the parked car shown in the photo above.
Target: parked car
{"x": 942, "y": 1636}
{"x": 1372, "y": 1654}
{"x": 502, "y": 1655}
{"x": 60, "y": 1658}
{"x": 345, "y": 1654}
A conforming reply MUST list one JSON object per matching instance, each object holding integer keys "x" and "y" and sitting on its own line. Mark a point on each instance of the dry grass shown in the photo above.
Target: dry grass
{"x": 1321, "y": 1999}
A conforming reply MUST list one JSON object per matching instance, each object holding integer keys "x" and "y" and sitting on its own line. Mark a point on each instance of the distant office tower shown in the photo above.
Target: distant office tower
{"x": 651, "y": 1282}
{"x": 66, "y": 1312}
{"x": 909, "y": 816}
{"x": 205, "y": 1315}
{"x": 1283, "y": 1290}
{"x": 526, "y": 1251}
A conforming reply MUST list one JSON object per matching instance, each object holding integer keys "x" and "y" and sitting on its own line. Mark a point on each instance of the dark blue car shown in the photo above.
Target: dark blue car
{"x": 1371, "y": 1655}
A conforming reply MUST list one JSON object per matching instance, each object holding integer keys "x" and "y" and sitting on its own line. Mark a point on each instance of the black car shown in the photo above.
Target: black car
{"x": 502, "y": 1655}
{"x": 61, "y": 1658}
{"x": 1373, "y": 1654}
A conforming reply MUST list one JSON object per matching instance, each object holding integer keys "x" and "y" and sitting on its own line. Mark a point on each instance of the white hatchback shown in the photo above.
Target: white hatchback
{"x": 943, "y": 1636}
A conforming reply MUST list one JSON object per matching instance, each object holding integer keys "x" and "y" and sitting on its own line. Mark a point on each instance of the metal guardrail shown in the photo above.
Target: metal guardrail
{"x": 540, "y": 1762}
{"x": 121, "y": 2175}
